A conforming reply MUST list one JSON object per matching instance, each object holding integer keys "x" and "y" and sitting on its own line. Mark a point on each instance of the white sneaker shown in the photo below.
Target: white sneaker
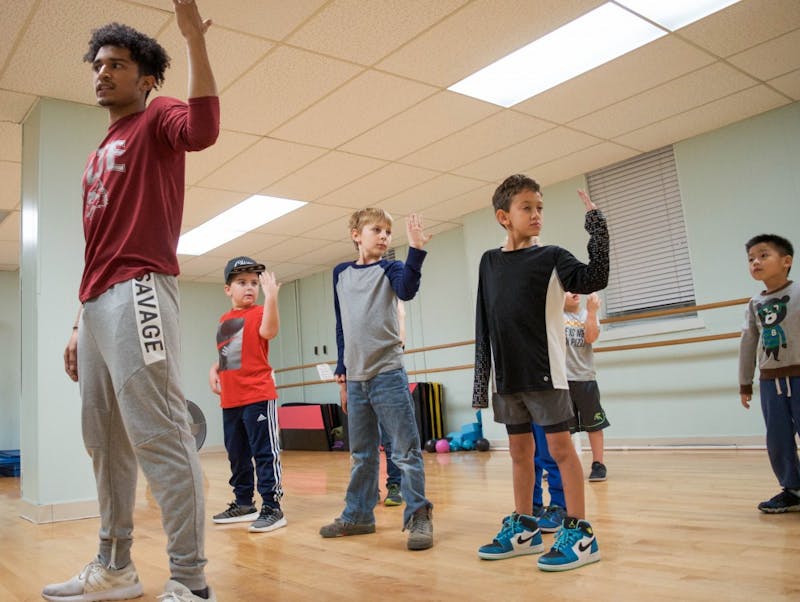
{"x": 97, "y": 582}
{"x": 178, "y": 592}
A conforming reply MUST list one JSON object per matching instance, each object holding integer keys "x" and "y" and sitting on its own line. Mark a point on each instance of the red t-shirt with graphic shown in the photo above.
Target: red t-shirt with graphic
{"x": 244, "y": 371}
{"x": 133, "y": 189}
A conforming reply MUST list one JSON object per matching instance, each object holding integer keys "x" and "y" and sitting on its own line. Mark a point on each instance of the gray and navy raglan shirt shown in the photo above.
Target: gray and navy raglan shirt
{"x": 519, "y": 316}
{"x": 770, "y": 336}
{"x": 365, "y": 300}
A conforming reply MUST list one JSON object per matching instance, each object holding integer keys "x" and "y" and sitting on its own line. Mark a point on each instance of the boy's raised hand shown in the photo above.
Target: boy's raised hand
{"x": 269, "y": 284}
{"x": 417, "y": 237}
{"x": 593, "y": 302}
{"x": 587, "y": 202}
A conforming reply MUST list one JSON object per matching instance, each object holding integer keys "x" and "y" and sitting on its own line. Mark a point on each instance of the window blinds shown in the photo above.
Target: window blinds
{"x": 650, "y": 264}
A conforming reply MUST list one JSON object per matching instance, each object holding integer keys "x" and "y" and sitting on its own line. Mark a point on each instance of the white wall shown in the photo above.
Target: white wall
{"x": 735, "y": 182}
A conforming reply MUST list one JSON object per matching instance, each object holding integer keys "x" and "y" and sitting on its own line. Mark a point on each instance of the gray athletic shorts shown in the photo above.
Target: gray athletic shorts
{"x": 589, "y": 414}
{"x": 545, "y": 408}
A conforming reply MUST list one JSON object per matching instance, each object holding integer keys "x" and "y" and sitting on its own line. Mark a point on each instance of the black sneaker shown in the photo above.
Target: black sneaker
{"x": 420, "y": 529}
{"x": 598, "y": 472}
{"x": 269, "y": 520}
{"x": 785, "y": 501}
{"x": 236, "y": 514}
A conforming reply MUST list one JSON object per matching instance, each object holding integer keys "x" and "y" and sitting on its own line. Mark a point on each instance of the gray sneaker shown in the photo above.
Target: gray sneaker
{"x": 97, "y": 582}
{"x": 269, "y": 520}
{"x": 420, "y": 529}
{"x": 236, "y": 514}
{"x": 340, "y": 528}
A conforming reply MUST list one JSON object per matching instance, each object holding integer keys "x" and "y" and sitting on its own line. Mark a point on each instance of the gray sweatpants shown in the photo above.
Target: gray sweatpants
{"x": 134, "y": 409}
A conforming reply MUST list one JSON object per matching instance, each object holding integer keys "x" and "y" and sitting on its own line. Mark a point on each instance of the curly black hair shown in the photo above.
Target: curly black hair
{"x": 512, "y": 185}
{"x": 148, "y": 54}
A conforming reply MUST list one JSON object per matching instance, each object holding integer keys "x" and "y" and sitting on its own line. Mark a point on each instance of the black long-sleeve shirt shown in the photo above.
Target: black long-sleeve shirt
{"x": 519, "y": 313}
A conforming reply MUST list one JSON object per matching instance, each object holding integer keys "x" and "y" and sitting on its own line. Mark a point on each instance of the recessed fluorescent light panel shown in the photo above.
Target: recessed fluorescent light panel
{"x": 674, "y": 14}
{"x": 597, "y": 37}
{"x": 232, "y": 223}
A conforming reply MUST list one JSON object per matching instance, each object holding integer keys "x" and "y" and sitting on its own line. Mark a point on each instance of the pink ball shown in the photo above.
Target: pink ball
{"x": 443, "y": 446}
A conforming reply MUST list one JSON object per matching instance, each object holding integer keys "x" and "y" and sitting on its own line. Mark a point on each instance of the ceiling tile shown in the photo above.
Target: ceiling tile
{"x": 14, "y": 16}
{"x": 789, "y": 84}
{"x": 288, "y": 272}
{"x": 228, "y": 145}
{"x": 303, "y": 220}
{"x": 9, "y": 227}
{"x": 430, "y": 120}
{"x": 202, "y": 204}
{"x": 54, "y": 43}
{"x": 272, "y": 19}
{"x": 373, "y": 188}
{"x": 419, "y": 198}
{"x": 771, "y": 59}
{"x": 9, "y": 256}
{"x": 479, "y": 34}
{"x": 253, "y": 244}
{"x": 632, "y": 73}
{"x": 10, "y": 191}
{"x": 488, "y": 136}
{"x": 14, "y": 106}
{"x": 580, "y": 162}
{"x": 284, "y": 83}
{"x": 550, "y": 145}
{"x": 203, "y": 265}
{"x": 260, "y": 165}
{"x": 323, "y": 254}
{"x": 454, "y": 209}
{"x": 364, "y": 32}
{"x": 725, "y": 111}
{"x": 686, "y": 92}
{"x": 329, "y": 172}
{"x": 292, "y": 248}
{"x": 231, "y": 54}
{"x": 743, "y": 25}
{"x": 360, "y": 104}
{"x": 333, "y": 231}
{"x": 10, "y": 141}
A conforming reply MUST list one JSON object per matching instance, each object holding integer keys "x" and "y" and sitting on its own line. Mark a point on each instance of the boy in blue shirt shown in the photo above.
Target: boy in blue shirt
{"x": 519, "y": 327}
{"x": 371, "y": 373}
{"x": 770, "y": 335}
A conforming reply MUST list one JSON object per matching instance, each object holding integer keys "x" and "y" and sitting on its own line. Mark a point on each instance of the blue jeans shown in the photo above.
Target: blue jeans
{"x": 542, "y": 460}
{"x": 384, "y": 398}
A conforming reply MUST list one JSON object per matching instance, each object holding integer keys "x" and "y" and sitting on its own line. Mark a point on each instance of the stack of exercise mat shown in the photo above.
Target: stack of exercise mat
{"x": 9, "y": 463}
{"x": 323, "y": 426}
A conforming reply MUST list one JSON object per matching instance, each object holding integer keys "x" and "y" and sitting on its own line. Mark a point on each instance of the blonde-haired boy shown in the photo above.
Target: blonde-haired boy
{"x": 373, "y": 379}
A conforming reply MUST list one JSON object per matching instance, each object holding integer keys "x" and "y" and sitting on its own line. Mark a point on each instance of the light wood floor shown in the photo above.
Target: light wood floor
{"x": 672, "y": 525}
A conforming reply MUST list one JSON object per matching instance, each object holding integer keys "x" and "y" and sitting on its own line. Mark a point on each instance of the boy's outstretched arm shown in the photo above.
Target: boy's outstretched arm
{"x": 194, "y": 28}
{"x": 270, "y": 320}
{"x": 587, "y": 202}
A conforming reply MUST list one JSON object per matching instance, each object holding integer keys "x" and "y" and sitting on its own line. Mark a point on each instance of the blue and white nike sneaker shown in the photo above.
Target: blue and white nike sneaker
{"x": 520, "y": 535}
{"x": 574, "y": 546}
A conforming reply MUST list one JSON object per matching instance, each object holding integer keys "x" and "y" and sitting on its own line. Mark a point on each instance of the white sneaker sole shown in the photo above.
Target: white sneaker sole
{"x": 276, "y": 525}
{"x": 127, "y": 592}
{"x": 244, "y": 518}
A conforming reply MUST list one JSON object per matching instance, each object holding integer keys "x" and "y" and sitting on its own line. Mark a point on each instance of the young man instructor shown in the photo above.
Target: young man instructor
{"x": 124, "y": 348}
